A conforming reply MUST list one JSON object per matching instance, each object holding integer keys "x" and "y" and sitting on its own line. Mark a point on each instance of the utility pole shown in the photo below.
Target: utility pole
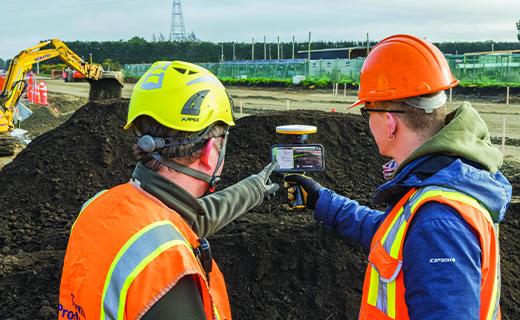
{"x": 368, "y": 46}
{"x": 278, "y": 48}
{"x": 293, "y": 47}
{"x": 309, "y": 55}
{"x": 253, "y": 50}
{"x": 265, "y": 52}
{"x": 177, "y": 32}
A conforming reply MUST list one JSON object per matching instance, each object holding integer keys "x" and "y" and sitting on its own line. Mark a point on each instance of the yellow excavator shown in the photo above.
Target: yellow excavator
{"x": 103, "y": 84}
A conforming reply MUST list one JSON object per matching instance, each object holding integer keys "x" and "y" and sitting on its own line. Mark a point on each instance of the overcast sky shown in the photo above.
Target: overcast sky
{"x": 26, "y": 23}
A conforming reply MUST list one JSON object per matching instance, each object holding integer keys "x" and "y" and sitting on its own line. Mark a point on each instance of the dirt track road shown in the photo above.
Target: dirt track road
{"x": 255, "y": 100}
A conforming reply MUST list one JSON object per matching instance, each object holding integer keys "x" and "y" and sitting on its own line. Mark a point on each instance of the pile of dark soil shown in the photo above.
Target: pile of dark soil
{"x": 278, "y": 264}
{"x": 131, "y": 79}
{"x": 101, "y": 89}
{"x": 44, "y": 118}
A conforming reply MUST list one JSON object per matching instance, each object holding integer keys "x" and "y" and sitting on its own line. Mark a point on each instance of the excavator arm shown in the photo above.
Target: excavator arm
{"x": 15, "y": 83}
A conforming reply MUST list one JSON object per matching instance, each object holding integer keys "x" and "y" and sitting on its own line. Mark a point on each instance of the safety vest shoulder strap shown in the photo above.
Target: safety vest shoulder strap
{"x": 137, "y": 253}
{"x": 384, "y": 290}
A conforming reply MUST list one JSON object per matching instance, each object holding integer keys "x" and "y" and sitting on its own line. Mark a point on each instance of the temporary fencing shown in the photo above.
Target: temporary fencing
{"x": 334, "y": 70}
{"x": 487, "y": 69}
{"x": 492, "y": 68}
{"x": 135, "y": 70}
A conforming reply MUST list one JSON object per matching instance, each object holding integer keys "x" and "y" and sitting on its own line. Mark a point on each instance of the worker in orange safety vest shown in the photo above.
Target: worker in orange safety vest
{"x": 139, "y": 250}
{"x": 434, "y": 253}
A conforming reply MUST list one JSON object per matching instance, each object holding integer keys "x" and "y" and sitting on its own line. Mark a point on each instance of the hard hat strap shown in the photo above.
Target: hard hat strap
{"x": 150, "y": 144}
{"x": 212, "y": 180}
{"x": 216, "y": 178}
{"x": 182, "y": 168}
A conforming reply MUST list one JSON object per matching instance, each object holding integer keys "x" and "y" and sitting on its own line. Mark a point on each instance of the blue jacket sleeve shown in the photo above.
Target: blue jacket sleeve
{"x": 348, "y": 218}
{"x": 441, "y": 265}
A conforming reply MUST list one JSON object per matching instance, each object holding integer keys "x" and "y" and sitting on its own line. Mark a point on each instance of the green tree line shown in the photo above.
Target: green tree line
{"x": 138, "y": 50}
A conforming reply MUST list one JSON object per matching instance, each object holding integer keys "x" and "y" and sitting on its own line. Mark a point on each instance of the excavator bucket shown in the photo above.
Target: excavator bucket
{"x": 108, "y": 86}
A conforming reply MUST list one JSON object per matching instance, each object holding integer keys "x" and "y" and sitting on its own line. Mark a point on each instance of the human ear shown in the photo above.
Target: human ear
{"x": 206, "y": 154}
{"x": 392, "y": 124}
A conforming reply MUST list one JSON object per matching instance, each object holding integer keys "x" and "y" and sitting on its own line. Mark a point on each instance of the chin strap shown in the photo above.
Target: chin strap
{"x": 212, "y": 180}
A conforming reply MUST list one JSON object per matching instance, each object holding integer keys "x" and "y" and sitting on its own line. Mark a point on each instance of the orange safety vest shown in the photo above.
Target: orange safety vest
{"x": 383, "y": 290}
{"x": 126, "y": 250}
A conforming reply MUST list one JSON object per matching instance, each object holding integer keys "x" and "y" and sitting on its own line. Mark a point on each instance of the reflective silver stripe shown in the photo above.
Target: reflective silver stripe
{"x": 499, "y": 287}
{"x": 382, "y": 297}
{"x": 133, "y": 258}
{"x": 496, "y": 308}
{"x": 202, "y": 79}
{"x": 394, "y": 229}
{"x": 382, "y": 292}
{"x": 148, "y": 84}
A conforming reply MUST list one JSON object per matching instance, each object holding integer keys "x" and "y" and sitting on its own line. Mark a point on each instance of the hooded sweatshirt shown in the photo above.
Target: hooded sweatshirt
{"x": 459, "y": 157}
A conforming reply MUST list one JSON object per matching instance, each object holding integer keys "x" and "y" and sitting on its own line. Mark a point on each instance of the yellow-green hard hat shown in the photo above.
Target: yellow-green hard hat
{"x": 182, "y": 96}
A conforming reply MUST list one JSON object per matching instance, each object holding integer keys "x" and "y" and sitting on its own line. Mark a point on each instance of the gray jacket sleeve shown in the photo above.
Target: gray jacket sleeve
{"x": 224, "y": 206}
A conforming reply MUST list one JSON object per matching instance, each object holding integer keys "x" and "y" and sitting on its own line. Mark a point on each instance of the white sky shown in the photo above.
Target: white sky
{"x": 25, "y": 23}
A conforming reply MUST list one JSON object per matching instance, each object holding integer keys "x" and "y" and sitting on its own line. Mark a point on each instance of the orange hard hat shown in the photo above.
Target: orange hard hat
{"x": 403, "y": 66}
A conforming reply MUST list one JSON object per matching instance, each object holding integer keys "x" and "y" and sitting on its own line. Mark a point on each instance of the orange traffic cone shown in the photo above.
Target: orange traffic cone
{"x": 44, "y": 94}
{"x": 36, "y": 97}
{"x": 30, "y": 92}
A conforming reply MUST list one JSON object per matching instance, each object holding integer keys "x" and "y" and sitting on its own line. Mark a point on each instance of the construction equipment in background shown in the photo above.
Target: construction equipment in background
{"x": 103, "y": 84}
{"x": 71, "y": 75}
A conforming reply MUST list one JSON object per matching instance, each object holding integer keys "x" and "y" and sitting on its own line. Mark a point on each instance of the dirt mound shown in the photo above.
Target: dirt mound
{"x": 278, "y": 264}
{"x": 44, "y": 118}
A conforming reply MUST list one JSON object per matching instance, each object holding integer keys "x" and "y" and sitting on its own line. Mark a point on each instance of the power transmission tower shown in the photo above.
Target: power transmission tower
{"x": 177, "y": 32}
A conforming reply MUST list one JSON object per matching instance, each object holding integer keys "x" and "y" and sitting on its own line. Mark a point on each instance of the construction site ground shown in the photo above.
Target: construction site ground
{"x": 278, "y": 264}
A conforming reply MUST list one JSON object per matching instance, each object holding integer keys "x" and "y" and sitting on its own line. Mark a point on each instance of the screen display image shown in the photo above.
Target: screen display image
{"x": 298, "y": 158}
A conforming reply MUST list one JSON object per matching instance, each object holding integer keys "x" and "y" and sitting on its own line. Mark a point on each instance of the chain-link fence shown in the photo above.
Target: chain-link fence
{"x": 135, "y": 70}
{"x": 489, "y": 69}
{"x": 269, "y": 69}
{"x": 501, "y": 68}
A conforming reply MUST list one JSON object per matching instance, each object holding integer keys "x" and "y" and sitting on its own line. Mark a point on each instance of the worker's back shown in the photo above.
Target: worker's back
{"x": 126, "y": 250}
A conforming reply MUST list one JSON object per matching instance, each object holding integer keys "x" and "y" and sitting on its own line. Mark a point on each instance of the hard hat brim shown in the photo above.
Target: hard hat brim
{"x": 357, "y": 103}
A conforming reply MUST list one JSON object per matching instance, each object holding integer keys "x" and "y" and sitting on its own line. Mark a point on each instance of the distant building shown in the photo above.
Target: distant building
{"x": 335, "y": 53}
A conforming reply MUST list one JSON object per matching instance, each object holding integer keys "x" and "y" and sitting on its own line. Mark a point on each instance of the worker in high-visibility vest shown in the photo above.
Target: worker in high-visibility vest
{"x": 138, "y": 250}
{"x": 433, "y": 254}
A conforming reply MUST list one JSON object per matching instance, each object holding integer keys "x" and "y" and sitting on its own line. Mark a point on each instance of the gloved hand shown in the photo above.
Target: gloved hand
{"x": 264, "y": 183}
{"x": 310, "y": 188}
